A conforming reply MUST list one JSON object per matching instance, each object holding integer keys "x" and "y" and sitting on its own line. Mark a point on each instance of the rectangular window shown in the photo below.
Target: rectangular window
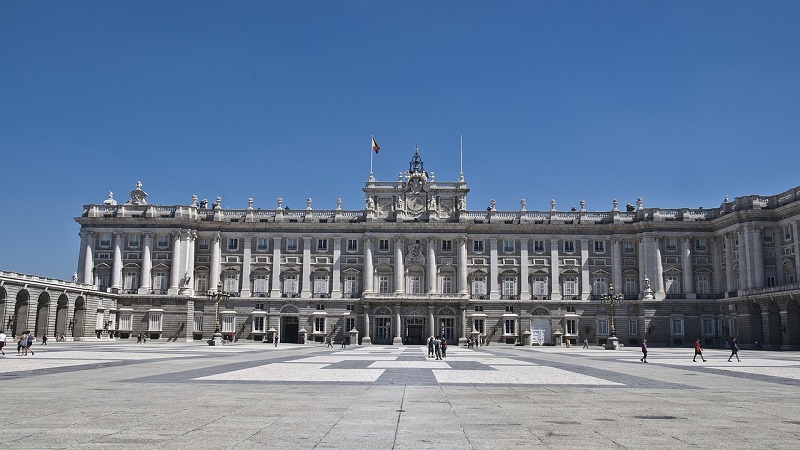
{"x": 627, "y": 246}
{"x": 700, "y": 244}
{"x": 571, "y": 326}
{"x": 233, "y": 243}
{"x": 290, "y": 284}
{"x": 509, "y": 308}
{"x": 599, "y": 246}
{"x": 708, "y": 327}
{"x": 630, "y": 286}
{"x": 570, "y": 286}
{"x": 133, "y": 241}
{"x": 673, "y": 285}
{"x": 258, "y": 324}
{"x": 383, "y": 284}
{"x": 163, "y": 241}
{"x": 447, "y": 245}
{"x": 320, "y": 306}
{"x": 322, "y": 245}
{"x": 231, "y": 282}
{"x": 202, "y": 243}
{"x": 350, "y": 307}
{"x": 198, "y": 322}
{"x": 319, "y": 324}
{"x": 770, "y": 280}
{"x": 479, "y": 308}
{"x": 130, "y": 281}
{"x": 321, "y": 284}
{"x": 125, "y": 321}
{"x": 349, "y": 324}
{"x": 787, "y": 233}
{"x": 539, "y": 286}
{"x": 352, "y": 245}
{"x": 291, "y": 244}
{"x": 447, "y": 285}
{"x": 201, "y": 282}
{"x": 228, "y": 323}
{"x": 261, "y": 284}
{"x": 600, "y": 286}
{"x": 415, "y": 284}
{"x": 160, "y": 281}
{"x": 509, "y": 287}
{"x": 538, "y": 246}
{"x": 703, "y": 285}
{"x": 508, "y": 246}
{"x": 769, "y": 235}
{"x": 105, "y": 240}
{"x": 602, "y": 327}
{"x": 479, "y": 286}
{"x": 510, "y": 326}
{"x": 350, "y": 286}
{"x": 677, "y": 327}
{"x": 671, "y": 244}
{"x": 477, "y": 246}
{"x": 569, "y": 246}
{"x": 383, "y": 245}
{"x": 633, "y": 327}
{"x": 477, "y": 325}
{"x": 732, "y": 328}
{"x": 262, "y": 244}
{"x": 154, "y": 322}
{"x": 102, "y": 281}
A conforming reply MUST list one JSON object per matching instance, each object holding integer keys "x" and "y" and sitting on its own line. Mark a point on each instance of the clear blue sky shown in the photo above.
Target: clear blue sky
{"x": 681, "y": 103}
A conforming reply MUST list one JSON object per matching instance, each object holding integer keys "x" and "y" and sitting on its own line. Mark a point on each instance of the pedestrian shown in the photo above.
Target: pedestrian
{"x": 430, "y": 347}
{"x": 139, "y": 338}
{"x": 330, "y": 344}
{"x": 22, "y": 341}
{"x": 437, "y": 348}
{"x": 144, "y": 338}
{"x": 734, "y": 350}
{"x": 344, "y": 342}
{"x": 275, "y": 339}
{"x": 585, "y": 342}
{"x": 29, "y": 342}
{"x": 444, "y": 347}
{"x": 644, "y": 351}
{"x": 2, "y": 341}
{"x": 698, "y": 351}
{"x": 44, "y": 340}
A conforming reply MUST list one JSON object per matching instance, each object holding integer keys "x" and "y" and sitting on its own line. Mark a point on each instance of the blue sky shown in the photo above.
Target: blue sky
{"x": 681, "y": 103}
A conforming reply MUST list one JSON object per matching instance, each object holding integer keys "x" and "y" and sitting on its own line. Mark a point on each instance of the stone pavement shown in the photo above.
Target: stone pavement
{"x": 120, "y": 395}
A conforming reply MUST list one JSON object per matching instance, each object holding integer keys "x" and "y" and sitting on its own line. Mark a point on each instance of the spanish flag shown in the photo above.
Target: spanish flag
{"x": 375, "y": 146}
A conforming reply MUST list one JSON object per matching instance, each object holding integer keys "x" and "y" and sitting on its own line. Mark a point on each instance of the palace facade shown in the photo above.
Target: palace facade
{"x": 415, "y": 262}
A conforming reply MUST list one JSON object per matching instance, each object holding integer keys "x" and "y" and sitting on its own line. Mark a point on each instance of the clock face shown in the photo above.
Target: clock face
{"x": 415, "y": 204}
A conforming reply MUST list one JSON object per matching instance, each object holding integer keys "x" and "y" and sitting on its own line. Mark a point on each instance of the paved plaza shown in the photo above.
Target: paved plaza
{"x": 120, "y": 395}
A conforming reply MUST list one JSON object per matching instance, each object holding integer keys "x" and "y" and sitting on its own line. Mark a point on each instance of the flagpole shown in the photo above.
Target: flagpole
{"x": 370, "y": 157}
{"x": 461, "y": 161}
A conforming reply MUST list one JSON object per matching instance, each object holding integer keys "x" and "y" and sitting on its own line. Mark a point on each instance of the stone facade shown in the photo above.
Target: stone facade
{"x": 416, "y": 262}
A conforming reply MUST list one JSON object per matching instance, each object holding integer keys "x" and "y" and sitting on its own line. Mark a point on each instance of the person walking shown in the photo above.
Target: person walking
{"x": 644, "y": 351}
{"x": 22, "y": 341}
{"x": 29, "y": 343}
{"x": 344, "y": 342}
{"x": 585, "y": 342}
{"x": 698, "y": 351}
{"x": 444, "y": 347}
{"x": 437, "y": 347}
{"x": 430, "y": 347}
{"x": 330, "y": 344}
{"x": 275, "y": 339}
{"x": 3, "y": 338}
{"x": 44, "y": 340}
{"x": 734, "y": 350}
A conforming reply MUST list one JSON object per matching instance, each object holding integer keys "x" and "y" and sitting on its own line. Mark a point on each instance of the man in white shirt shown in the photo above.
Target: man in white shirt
{"x": 2, "y": 342}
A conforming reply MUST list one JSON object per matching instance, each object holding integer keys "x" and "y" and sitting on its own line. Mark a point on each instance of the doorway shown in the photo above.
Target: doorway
{"x": 290, "y": 328}
{"x": 415, "y": 331}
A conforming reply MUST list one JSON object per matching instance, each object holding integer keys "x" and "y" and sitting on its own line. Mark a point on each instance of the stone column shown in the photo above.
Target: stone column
{"x": 757, "y": 261}
{"x": 780, "y": 275}
{"x": 463, "y": 339}
{"x": 616, "y": 262}
{"x": 796, "y": 240}
{"x": 730, "y": 281}
{"x": 336, "y": 286}
{"x": 743, "y": 263}
{"x": 716, "y": 266}
{"x": 366, "y": 340}
{"x": 494, "y": 291}
{"x": 216, "y": 261}
{"x": 586, "y": 285}
{"x": 368, "y": 267}
{"x": 147, "y": 264}
{"x": 399, "y": 269}
{"x": 246, "y": 265}
{"x": 686, "y": 267}
{"x": 398, "y": 336}
{"x": 189, "y": 324}
{"x": 555, "y": 276}
{"x": 432, "y": 325}
{"x": 659, "y": 279}
{"x": 431, "y": 261}
{"x": 275, "y": 276}
{"x": 88, "y": 262}
{"x": 462, "y": 266}
{"x": 81, "y": 257}
{"x": 175, "y": 267}
{"x": 524, "y": 287}
{"x": 116, "y": 271}
{"x": 305, "y": 277}
{"x": 188, "y": 239}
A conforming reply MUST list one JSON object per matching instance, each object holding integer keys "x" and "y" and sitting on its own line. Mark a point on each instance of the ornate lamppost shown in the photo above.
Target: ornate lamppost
{"x": 613, "y": 300}
{"x": 217, "y": 296}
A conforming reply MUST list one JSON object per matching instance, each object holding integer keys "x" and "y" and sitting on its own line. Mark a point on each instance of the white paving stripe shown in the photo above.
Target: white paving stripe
{"x": 297, "y": 372}
{"x": 409, "y": 365}
{"x": 519, "y": 375}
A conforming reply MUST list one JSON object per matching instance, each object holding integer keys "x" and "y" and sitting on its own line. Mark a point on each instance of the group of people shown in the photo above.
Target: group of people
{"x": 24, "y": 343}
{"x": 437, "y": 347}
{"x": 698, "y": 350}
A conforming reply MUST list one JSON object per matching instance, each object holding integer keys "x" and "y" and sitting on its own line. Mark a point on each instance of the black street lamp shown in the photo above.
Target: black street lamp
{"x": 217, "y": 296}
{"x": 612, "y": 299}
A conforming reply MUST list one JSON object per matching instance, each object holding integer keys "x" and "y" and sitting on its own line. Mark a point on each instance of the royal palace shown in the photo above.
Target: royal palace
{"x": 415, "y": 262}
